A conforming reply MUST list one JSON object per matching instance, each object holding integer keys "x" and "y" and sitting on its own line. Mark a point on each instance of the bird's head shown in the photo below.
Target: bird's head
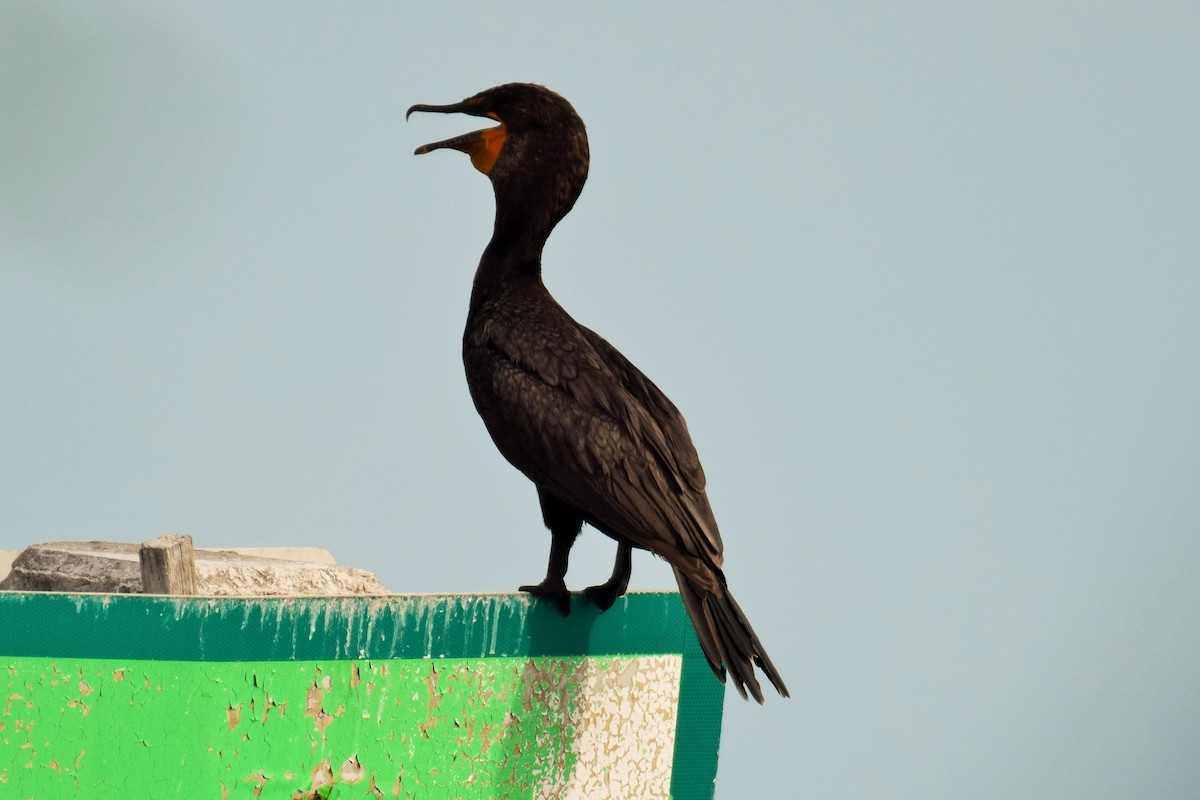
{"x": 536, "y": 157}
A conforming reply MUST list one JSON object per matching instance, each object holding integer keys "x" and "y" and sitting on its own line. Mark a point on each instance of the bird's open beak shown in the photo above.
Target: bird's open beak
{"x": 483, "y": 146}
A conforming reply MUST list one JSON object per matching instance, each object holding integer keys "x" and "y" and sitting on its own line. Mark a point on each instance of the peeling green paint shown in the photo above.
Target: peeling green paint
{"x": 398, "y": 697}
{"x": 401, "y": 728}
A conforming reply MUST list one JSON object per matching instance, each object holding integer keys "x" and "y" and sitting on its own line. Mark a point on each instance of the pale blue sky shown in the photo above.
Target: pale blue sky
{"x": 924, "y": 281}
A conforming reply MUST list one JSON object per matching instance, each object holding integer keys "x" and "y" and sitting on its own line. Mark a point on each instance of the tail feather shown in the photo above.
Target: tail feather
{"x": 729, "y": 643}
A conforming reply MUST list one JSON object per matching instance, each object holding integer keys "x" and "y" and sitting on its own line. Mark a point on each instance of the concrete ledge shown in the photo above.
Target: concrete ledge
{"x": 113, "y": 567}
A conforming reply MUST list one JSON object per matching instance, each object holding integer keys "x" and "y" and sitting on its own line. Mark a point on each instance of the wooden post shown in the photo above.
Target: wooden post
{"x": 168, "y": 565}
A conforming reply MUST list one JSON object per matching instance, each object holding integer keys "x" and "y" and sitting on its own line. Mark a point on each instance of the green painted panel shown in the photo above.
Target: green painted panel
{"x": 444, "y": 696}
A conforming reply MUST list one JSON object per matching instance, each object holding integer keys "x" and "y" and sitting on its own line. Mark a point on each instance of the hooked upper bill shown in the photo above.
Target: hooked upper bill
{"x": 483, "y": 146}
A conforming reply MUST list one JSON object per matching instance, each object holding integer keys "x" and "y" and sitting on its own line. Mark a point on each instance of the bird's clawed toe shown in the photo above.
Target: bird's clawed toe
{"x": 605, "y": 594}
{"x": 555, "y": 591}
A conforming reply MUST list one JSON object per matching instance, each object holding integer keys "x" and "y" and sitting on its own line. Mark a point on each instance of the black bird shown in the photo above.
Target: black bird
{"x": 601, "y": 442}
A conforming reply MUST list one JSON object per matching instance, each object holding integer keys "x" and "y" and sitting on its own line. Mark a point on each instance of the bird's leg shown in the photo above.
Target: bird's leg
{"x": 564, "y": 523}
{"x": 554, "y": 586}
{"x": 607, "y": 593}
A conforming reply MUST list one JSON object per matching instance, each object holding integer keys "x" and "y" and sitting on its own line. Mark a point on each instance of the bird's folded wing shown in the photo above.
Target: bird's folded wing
{"x": 586, "y": 424}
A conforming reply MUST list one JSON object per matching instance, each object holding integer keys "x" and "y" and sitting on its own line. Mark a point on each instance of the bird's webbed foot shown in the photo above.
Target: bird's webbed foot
{"x": 605, "y": 594}
{"x": 552, "y": 590}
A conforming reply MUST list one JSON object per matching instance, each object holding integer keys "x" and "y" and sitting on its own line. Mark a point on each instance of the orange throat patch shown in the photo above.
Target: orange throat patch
{"x": 486, "y": 149}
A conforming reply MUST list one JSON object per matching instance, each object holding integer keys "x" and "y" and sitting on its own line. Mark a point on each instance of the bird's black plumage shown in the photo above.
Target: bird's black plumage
{"x": 600, "y": 441}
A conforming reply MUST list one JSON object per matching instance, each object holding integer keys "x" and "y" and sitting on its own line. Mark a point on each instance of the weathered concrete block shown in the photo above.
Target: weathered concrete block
{"x": 114, "y": 567}
{"x": 6, "y": 559}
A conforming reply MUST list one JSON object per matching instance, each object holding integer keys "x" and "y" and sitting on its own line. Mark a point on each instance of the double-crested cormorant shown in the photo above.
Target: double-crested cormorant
{"x": 602, "y": 444}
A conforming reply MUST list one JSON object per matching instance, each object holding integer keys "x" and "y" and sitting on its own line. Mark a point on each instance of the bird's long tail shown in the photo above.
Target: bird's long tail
{"x": 725, "y": 635}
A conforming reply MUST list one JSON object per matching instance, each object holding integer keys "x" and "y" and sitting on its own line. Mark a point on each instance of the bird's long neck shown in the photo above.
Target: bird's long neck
{"x": 501, "y": 267}
{"x": 531, "y": 199}
{"x": 514, "y": 254}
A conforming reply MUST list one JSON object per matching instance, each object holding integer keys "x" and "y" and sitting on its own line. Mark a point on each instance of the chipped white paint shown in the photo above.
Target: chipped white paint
{"x": 623, "y": 713}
